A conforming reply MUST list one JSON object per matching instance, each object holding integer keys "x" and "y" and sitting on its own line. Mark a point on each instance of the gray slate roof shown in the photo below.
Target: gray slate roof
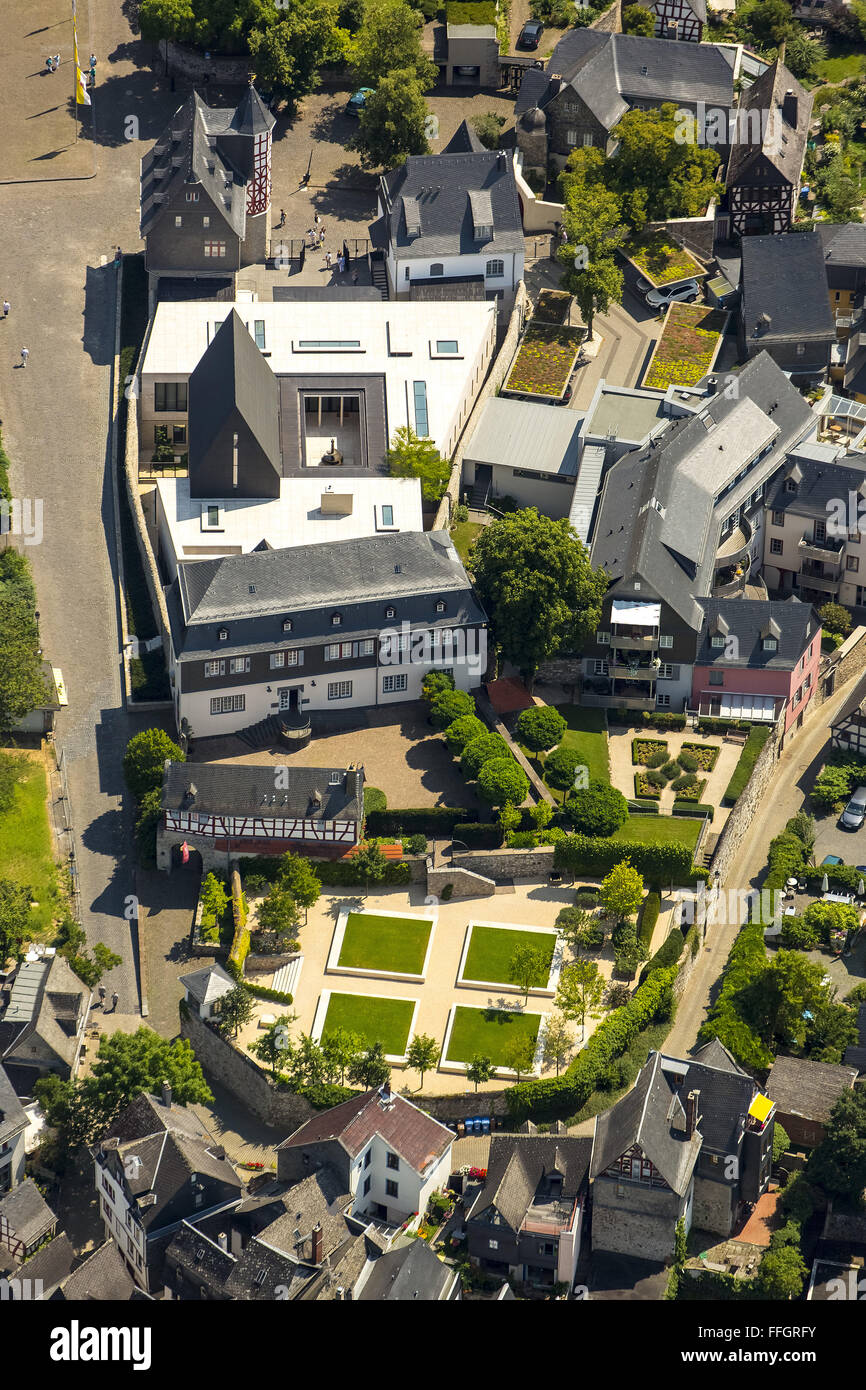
{"x": 517, "y": 1165}
{"x": 442, "y": 186}
{"x": 51, "y": 1264}
{"x": 231, "y": 375}
{"x": 13, "y": 1117}
{"x": 46, "y": 1001}
{"x": 464, "y": 141}
{"x": 645, "y": 1117}
{"x": 208, "y": 984}
{"x": 26, "y": 1213}
{"x": 810, "y": 1089}
{"x": 783, "y": 277}
{"x": 823, "y": 482}
{"x": 521, "y": 434}
{"x": 410, "y": 1274}
{"x": 239, "y": 789}
{"x": 191, "y": 135}
{"x": 844, "y": 243}
{"x": 783, "y": 144}
{"x": 797, "y": 623}
{"x": 102, "y": 1278}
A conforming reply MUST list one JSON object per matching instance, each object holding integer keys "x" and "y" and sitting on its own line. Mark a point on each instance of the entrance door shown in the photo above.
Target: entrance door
{"x": 290, "y": 698}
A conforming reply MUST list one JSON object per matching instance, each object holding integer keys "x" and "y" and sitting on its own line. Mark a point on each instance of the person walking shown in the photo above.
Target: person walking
{"x": 322, "y": 237}
{"x": 354, "y": 277}
{"x": 25, "y": 353}
{"x": 345, "y": 255}
{"x": 282, "y": 221}
{"x": 114, "y": 1001}
{"x": 329, "y": 260}
{"x": 49, "y": 63}
{"x": 102, "y": 995}
{"x": 317, "y": 219}
{"x": 341, "y": 265}
{"x": 6, "y": 307}
{"x": 56, "y": 61}
{"x": 118, "y": 257}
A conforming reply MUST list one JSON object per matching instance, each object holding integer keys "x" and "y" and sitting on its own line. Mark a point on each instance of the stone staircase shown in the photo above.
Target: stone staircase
{"x": 262, "y": 735}
{"x": 380, "y": 277}
{"x": 286, "y": 978}
{"x": 481, "y": 487}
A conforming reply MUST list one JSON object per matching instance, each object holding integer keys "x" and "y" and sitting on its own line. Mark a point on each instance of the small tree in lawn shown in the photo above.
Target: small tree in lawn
{"x": 423, "y": 1055}
{"x": 509, "y": 817}
{"x": 541, "y": 815}
{"x": 339, "y": 1049}
{"x": 371, "y": 864}
{"x": 278, "y": 912}
{"x": 369, "y": 1068}
{"x": 236, "y": 1008}
{"x": 621, "y": 891}
{"x": 540, "y": 728}
{"x": 520, "y": 1054}
{"x": 527, "y": 967}
{"x": 412, "y": 457}
{"x": 579, "y": 993}
{"x": 480, "y": 1069}
{"x": 298, "y": 878}
{"x": 558, "y": 1042}
{"x": 501, "y": 780}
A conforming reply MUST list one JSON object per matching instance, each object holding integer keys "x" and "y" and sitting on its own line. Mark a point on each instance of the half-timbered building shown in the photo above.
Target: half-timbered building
{"x": 678, "y": 19}
{"x": 767, "y": 153}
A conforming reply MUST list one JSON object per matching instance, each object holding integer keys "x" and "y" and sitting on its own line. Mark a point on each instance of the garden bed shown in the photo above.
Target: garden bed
{"x": 644, "y": 789}
{"x": 707, "y": 754}
{"x": 384, "y": 943}
{"x": 545, "y": 360}
{"x": 553, "y": 306}
{"x": 688, "y": 346}
{"x": 660, "y": 260}
{"x": 642, "y": 749}
{"x": 691, "y": 793}
{"x": 489, "y": 949}
{"x": 373, "y": 1017}
{"x": 487, "y": 1033}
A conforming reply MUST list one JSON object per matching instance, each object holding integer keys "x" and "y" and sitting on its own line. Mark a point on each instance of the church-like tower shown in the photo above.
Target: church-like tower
{"x": 247, "y": 142}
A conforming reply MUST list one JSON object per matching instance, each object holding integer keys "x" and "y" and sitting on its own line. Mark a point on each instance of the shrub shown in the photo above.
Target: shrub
{"x": 344, "y": 872}
{"x": 522, "y": 839}
{"x": 649, "y": 916}
{"x": 435, "y": 683}
{"x": 540, "y": 728}
{"x": 417, "y": 844}
{"x": 560, "y": 767}
{"x": 647, "y": 718}
{"x": 598, "y": 809}
{"x": 687, "y": 761}
{"x": 449, "y": 705}
{"x": 276, "y": 996}
{"x": 832, "y": 788}
{"x": 667, "y": 954}
{"x": 480, "y": 751}
{"x": 660, "y": 864}
{"x": 374, "y": 800}
{"x": 649, "y": 751}
{"x": 501, "y": 780}
{"x": 758, "y": 736}
{"x": 658, "y": 760}
{"x": 747, "y": 959}
{"x": 480, "y": 834}
{"x": 655, "y": 778}
{"x": 586, "y": 896}
{"x": 706, "y": 755}
{"x": 669, "y": 769}
{"x": 687, "y": 782}
{"x": 798, "y": 935}
{"x": 463, "y": 731}
{"x": 693, "y": 809}
{"x": 432, "y": 821}
{"x": 835, "y": 618}
{"x": 144, "y": 760}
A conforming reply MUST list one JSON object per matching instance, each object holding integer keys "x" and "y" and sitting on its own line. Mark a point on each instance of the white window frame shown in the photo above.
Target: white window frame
{"x": 666, "y": 642}
{"x": 228, "y": 704}
{"x": 600, "y": 668}
{"x": 392, "y": 685}
{"x": 339, "y": 690}
{"x": 662, "y": 700}
{"x": 214, "y": 668}
{"x": 239, "y": 665}
{"x": 603, "y": 639}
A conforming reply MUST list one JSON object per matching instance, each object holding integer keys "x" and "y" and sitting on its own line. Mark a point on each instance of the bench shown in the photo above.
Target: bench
{"x": 735, "y": 736}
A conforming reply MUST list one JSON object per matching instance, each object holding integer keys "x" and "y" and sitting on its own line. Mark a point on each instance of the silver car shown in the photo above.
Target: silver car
{"x": 855, "y": 812}
{"x": 686, "y": 293}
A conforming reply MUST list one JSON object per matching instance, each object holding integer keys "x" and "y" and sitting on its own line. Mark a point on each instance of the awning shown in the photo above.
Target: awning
{"x": 760, "y": 1108}
{"x": 639, "y": 614}
{"x": 760, "y": 707}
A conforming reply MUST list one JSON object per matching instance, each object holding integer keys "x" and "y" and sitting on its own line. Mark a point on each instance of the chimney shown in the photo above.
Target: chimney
{"x": 354, "y": 780}
{"x": 692, "y": 1112}
{"x": 502, "y": 160}
{"x": 318, "y": 1243}
{"x": 166, "y": 1095}
{"x": 789, "y": 109}
{"x": 385, "y": 1097}
{"x": 223, "y": 1241}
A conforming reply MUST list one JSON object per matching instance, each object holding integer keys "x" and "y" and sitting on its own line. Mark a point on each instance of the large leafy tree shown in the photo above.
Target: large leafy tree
{"x": 580, "y": 991}
{"x": 656, "y": 175}
{"x": 278, "y": 912}
{"x": 534, "y": 578}
{"x": 300, "y": 880}
{"x": 501, "y": 780}
{"x": 838, "y": 1164}
{"x": 778, "y": 998}
{"x": 144, "y": 760}
{"x": 288, "y": 53}
{"x": 413, "y": 457}
{"x": 593, "y": 221}
{"x": 370, "y": 1068}
{"x": 22, "y": 684}
{"x": 275, "y": 1048}
{"x": 14, "y": 918}
{"x": 389, "y": 42}
{"x": 637, "y": 20}
{"x": 621, "y": 891}
{"x": 236, "y": 1008}
{"x": 780, "y": 1274}
{"x": 393, "y": 123}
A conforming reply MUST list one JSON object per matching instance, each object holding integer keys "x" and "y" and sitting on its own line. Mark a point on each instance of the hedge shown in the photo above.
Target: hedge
{"x": 240, "y": 941}
{"x": 758, "y": 736}
{"x": 693, "y": 809}
{"x": 480, "y": 834}
{"x": 747, "y": 959}
{"x": 660, "y": 864}
{"x": 646, "y": 719}
{"x": 322, "y": 1095}
{"x": 667, "y": 954}
{"x": 277, "y": 995}
{"x": 437, "y": 822}
{"x": 522, "y": 839}
{"x": 344, "y": 872}
{"x": 652, "y": 904}
{"x": 640, "y": 806}
{"x": 564, "y": 1095}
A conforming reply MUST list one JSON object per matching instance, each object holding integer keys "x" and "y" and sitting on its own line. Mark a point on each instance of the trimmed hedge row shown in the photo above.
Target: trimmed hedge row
{"x": 711, "y": 725}
{"x": 434, "y": 821}
{"x": 639, "y": 805}
{"x": 564, "y": 1095}
{"x": 241, "y": 939}
{"x": 758, "y": 736}
{"x": 652, "y": 904}
{"x": 667, "y": 954}
{"x": 746, "y": 960}
{"x": 480, "y": 834}
{"x": 344, "y": 872}
{"x": 276, "y": 995}
{"x": 646, "y": 719}
{"x": 693, "y": 809}
{"x": 661, "y": 864}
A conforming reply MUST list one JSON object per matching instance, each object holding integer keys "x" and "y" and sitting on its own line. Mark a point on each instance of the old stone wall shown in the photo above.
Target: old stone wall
{"x": 451, "y": 1109}
{"x": 566, "y": 671}
{"x": 744, "y": 811}
{"x": 847, "y": 661}
{"x": 220, "y": 69}
{"x": 611, "y": 21}
{"x": 507, "y": 863}
{"x": 642, "y": 1222}
{"x": 267, "y": 963}
{"x": 695, "y": 233}
{"x": 244, "y": 1078}
{"x": 712, "y": 1210}
{"x": 464, "y": 883}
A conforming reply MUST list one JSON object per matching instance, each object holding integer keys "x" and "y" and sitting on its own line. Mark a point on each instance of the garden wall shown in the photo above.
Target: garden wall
{"x": 847, "y": 661}
{"x": 611, "y": 21}
{"x": 695, "y": 233}
{"x": 465, "y": 883}
{"x": 566, "y": 671}
{"x": 244, "y": 1078}
{"x": 507, "y": 863}
{"x": 221, "y": 69}
{"x": 743, "y": 813}
{"x": 261, "y": 961}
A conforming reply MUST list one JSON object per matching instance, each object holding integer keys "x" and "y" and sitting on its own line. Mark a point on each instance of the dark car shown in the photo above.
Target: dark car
{"x": 530, "y": 34}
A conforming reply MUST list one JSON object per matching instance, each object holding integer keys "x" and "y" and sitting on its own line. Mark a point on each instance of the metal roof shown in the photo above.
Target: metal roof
{"x": 521, "y": 434}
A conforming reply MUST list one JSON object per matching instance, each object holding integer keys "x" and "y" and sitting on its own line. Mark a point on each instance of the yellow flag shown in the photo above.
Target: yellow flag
{"x": 82, "y": 96}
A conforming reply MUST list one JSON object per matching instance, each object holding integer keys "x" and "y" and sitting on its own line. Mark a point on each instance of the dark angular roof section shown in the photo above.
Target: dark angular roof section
{"x": 238, "y": 789}
{"x": 824, "y": 481}
{"x": 42, "y": 1003}
{"x": 464, "y": 141}
{"x": 102, "y": 1278}
{"x": 251, "y": 116}
{"x": 416, "y": 1137}
{"x": 192, "y": 137}
{"x": 783, "y": 278}
{"x": 410, "y": 1274}
{"x": 25, "y": 1213}
{"x": 844, "y": 244}
{"x": 715, "y": 1054}
{"x": 318, "y": 1200}
{"x": 809, "y": 1089}
{"x": 13, "y": 1117}
{"x": 518, "y": 1163}
{"x": 232, "y": 378}
{"x": 855, "y": 1055}
{"x": 784, "y": 109}
{"x": 441, "y": 188}
{"x": 797, "y": 622}
{"x": 645, "y": 1117}
{"x": 51, "y": 1264}
{"x": 725, "y": 1097}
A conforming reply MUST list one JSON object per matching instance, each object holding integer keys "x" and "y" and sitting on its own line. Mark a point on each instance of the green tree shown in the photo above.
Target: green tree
{"x": 300, "y": 880}
{"x": 681, "y": 1248}
{"x": 479, "y": 1070}
{"x": 479, "y": 751}
{"x": 148, "y": 817}
{"x": 500, "y": 780}
{"x": 129, "y": 1063}
{"x": 213, "y": 898}
{"x": 539, "y": 728}
{"x": 580, "y": 991}
{"x": 637, "y": 20}
{"x": 274, "y": 1048}
{"x": 411, "y": 456}
{"x": 558, "y": 1042}
{"x": 278, "y": 912}
{"x": 144, "y": 759}
{"x": 487, "y": 127}
{"x": 22, "y": 684}
{"x": 104, "y": 960}
{"x": 370, "y": 1068}
{"x": 534, "y": 578}
{"x": 423, "y": 1054}
{"x": 802, "y": 55}
{"x": 803, "y": 826}
{"x": 519, "y": 1054}
{"x": 462, "y": 731}
{"x": 787, "y": 988}
{"x": 393, "y": 125}
{"x": 542, "y": 814}
{"x": 841, "y": 194}
{"x": 305, "y": 1064}
{"x": 593, "y": 221}
{"x": 621, "y": 891}
{"x": 370, "y": 863}
{"x": 768, "y": 22}
{"x": 598, "y": 809}
{"x": 781, "y": 1141}
{"x": 560, "y": 767}
{"x": 831, "y": 1030}
{"x": 825, "y": 918}
{"x": 782, "y": 1271}
{"x": 528, "y": 967}
{"x": 448, "y": 705}
{"x": 388, "y": 43}
{"x": 656, "y": 175}
{"x": 509, "y": 817}
{"x": 572, "y": 925}
{"x": 838, "y": 1164}
{"x": 236, "y": 1008}
{"x": 166, "y": 19}
{"x": 288, "y": 50}
{"x": 339, "y": 1050}
{"x": 835, "y": 617}
{"x": 14, "y": 918}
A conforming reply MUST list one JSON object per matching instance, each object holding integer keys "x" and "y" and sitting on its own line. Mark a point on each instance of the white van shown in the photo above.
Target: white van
{"x": 855, "y": 812}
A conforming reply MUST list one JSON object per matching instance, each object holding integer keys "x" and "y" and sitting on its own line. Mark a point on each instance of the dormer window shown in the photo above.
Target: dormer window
{"x": 440, "y": 606}
{"x": 223, "y": 634}
{"x": 770, "y": 644}
{"x": 717, "y": 640}
{"x": 390, "y": 612}
{"x": 336, "y": 619}
{"x": 287, "y": 624}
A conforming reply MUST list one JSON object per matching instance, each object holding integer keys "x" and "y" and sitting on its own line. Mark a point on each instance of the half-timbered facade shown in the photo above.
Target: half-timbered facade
{"x": 678, "y": 19}
{"x": 767, "y": 153}
{"x": 250, "y": 809}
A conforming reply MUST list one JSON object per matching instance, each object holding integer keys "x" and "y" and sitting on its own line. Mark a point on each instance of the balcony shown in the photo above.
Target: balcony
{"x": 635, "y": 641}
{"x": 617, "y": 701}
{"x": 631, "y": 671}
{"x": 821, "y": 583}
{"x": 735, "y": 546}
{"x": 828, "y": 551}
{"x": 729, "y": 584}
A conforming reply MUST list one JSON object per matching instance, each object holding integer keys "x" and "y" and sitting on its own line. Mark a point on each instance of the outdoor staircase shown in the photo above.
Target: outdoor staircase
{"x": 708, "y": 849}
{"x": 286, "y": 978}
{"x": 380, "y": 277}
{"x": 261, "y": 735}
{"x": 481, "y": 487}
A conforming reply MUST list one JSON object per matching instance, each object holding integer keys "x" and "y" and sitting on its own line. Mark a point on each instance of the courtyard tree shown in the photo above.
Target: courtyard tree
{"x": 838, "y": 1164}
{"x": 306, "y": 1065}
{"x": 542, "y": 814}
{"x": 534, "y": 578}
{"x": 104, "y": 961}
{"x": 479, "y": 1070}
{"x": 147, "y": 819}
{"x": 289, "y": 49}
{"x": 539, "y": 728}
{"x": 621, "y": 891}
{"x": 393, "y": 125}
{"x": 370, "y": 863}
{"x": 519, "y": 1054}
{"x": 275, "y": 1048}
{"x": 528, "y": 966}
{"x": 781, "y": 1141}
{"x": 560, "y": 767}
{"x": 488, "y": 127}
{"x": 580, "y": 991}
{"x": 657, "y": 175}
{"x": 835, "y": 617}
{"x": 278, "y": 912}
{"x": 558, "y": 1042}
{"x": 637, "y": 20}
{"x": 299, "y": 879}
{"x": 598, "y": 809}
{"x": 509, "y": 817}
{"x": 434, "y": 683}
{"x": 236, "y": 1009}
{"x": 339, "y": 1049}
{"x": 779, "y": 998}
{"x": 501, "y": 780}
{"x": 462, "y": 731}
{"x": 389, "y": 42}
{"x": 166, "y": 19}
{"x": 144, "y": 760}
{"x": 369, "y": 1068}
{"x": 447, "y": 706}
{"x": 423, "y": 1055}
{"x": 780, "y": 1274}
{"x": 410, "y": 456}
{"x": 479, "y": 751}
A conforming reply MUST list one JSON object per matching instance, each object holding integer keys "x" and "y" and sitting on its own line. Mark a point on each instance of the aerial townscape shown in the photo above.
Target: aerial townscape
{"x": 433, "y": 660}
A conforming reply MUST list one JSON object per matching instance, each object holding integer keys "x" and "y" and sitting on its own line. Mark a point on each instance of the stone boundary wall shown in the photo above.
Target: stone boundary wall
{"x": 244, "y": 1078}
{"x": 465, "y": 883}
{"x": 564, "y": 671}
{"x": 267, "y": 964}
{"x": 847, "y": 661}
{"x": 743, "y": 813}
{"x": 696, "y": 233}
{"x": 450, "y": 1109}
{"x": 224, "y": 69}
{"x": 507, "y": 863}
{"x": 495, "y": 377}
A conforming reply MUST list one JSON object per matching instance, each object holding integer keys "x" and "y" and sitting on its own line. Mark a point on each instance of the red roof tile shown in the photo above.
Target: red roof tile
{"x": 508, "y": 695}
{"x": 416, "y": 1137}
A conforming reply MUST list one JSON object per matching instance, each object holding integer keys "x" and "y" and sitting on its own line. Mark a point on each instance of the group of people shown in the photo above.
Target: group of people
{"x": 53, "y": 63}
{"x": 316, "y": 240}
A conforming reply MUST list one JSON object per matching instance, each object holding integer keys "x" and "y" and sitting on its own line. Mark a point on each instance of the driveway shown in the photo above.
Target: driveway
{"x": 624, "y": 1277}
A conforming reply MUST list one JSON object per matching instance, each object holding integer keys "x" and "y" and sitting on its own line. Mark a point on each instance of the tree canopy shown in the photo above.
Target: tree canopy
{"x": 22, "y": 684}
{"x": 389, "y": 43}
{"x": 413, "y": 457}
{"x": 144, "y": 759}
{"x": 838, "y": 1164}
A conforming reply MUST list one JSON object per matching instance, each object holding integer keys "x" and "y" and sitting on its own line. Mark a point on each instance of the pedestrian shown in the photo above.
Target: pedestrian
{"x": 328, "y": 259}
{"x": 114, "y": 1000}
{"x": 346, "y": 255}
{"x": 102, "y": 995}
{"x": 6, "y": 307}
{"x": 56, "y": 61}
{"x": 93, "y": 60}
{"x": 25, "y": 353}
{"x": 341, "y": 264}
{"x": 49, "y": 63}
{"x": 118, "y": 257}
{"x": 317, "y": 219}
{"x": 302, "y": 257}
{"x": 311, "y": 238}
{"x": 322, "y": 237}
{"x": 282, "y": 222}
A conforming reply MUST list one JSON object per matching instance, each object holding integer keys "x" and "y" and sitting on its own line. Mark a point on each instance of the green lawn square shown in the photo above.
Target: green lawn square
{"x": 656, "y": 830}
{"x": 25, "y": 845}
{"x": 396, "y": 944}
{"x": 373, "y": 1018}
{"x": 489, "y": 1033}
{"x": 491, "y": 949}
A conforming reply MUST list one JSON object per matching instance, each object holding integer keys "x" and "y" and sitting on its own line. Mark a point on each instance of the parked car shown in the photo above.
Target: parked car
{"x": 644, "y": 287}
{"x": 686, "y": 293}
{"x": 855, "y": 812}
{"x": 358, "y": 100}
{"x": 530, "y": 34}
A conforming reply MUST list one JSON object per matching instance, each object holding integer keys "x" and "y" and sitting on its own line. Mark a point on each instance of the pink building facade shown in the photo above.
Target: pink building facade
{"x": 756, "y": 692}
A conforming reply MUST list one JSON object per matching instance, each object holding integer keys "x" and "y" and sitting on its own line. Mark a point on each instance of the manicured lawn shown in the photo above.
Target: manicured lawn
{"x": 586, "y": 732}
{"x": 373, "y": 1018}
{"x": 843, "y": 60}
{"x": 661, "y": 260}
{"x": 652, "y": 830}
{"x": 463, "y": 534}
{"x": 488, "y": 1033}
{"x": 685, "y": 350}
{"x": 545, "y": 360}
{"x": 25, "y": 845}
{"x": 385, "y": 943}
{"x": 491, "y": 949}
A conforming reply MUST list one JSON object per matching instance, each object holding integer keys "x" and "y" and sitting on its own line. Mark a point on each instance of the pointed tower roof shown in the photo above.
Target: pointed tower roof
{"x": 252, "y": 116}
{"x": 233, "y": 389}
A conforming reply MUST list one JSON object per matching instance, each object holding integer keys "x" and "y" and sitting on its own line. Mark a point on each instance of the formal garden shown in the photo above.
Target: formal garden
{"x": 382, "y": 942}
{"x": 372, "y": 1018}
{"x": 495, "y": 953}
{"x": 504, "y": 1037}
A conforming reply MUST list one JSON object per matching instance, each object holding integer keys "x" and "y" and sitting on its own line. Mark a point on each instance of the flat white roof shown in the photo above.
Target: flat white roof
{"x": 299, "y": 516}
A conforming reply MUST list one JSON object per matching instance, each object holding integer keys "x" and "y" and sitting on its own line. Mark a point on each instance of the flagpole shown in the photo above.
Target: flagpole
{"x": 75, "y": 71}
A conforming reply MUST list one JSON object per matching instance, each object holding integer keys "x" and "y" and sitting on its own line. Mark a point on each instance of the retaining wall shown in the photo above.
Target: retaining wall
{"x": 847, "y": 661}
{"x": 743, "y": 813}
{"x": 221, "y": 69}
{"x": 464, "y": 883}
{"x": 244, "y": 1078}
{"x": 507, "y": 863}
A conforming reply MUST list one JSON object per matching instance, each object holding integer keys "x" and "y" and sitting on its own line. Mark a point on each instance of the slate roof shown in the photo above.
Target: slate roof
{"x": 248, "y": 789}
{"x": 715, "y": 1054}
{"x": 783, "y": 145}
{"x": 251, "y": 116}
{"x": 725, "y": 1097}
{"x": 26, "y": 1213}
{"x": 317, "y": 1200}
{"x": 51, "y": 1264}
{"x": 797, "y": 623}
{"x": 518, "y": 1163}
{"x": 102, "y": 1278}
{"x": 191, "y": 135}
{"x": 522, "y": 434}
{"x": 41, "y": 1004}
{"x": 843, "y": 243}
{"x": 232, "y": 375}
{"x": 208, "y": 984}
{"x": 823, "y": 481}
{"x": 783, "y": 277}
{"x": 13, "y": 1117}
{"x": 464, "y": 141}
{"x": 412, "y": 1273}
{"x": 809, "y": 1089}
{"x": 416, "y": 1137}
{"x": 443, "y": 186}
